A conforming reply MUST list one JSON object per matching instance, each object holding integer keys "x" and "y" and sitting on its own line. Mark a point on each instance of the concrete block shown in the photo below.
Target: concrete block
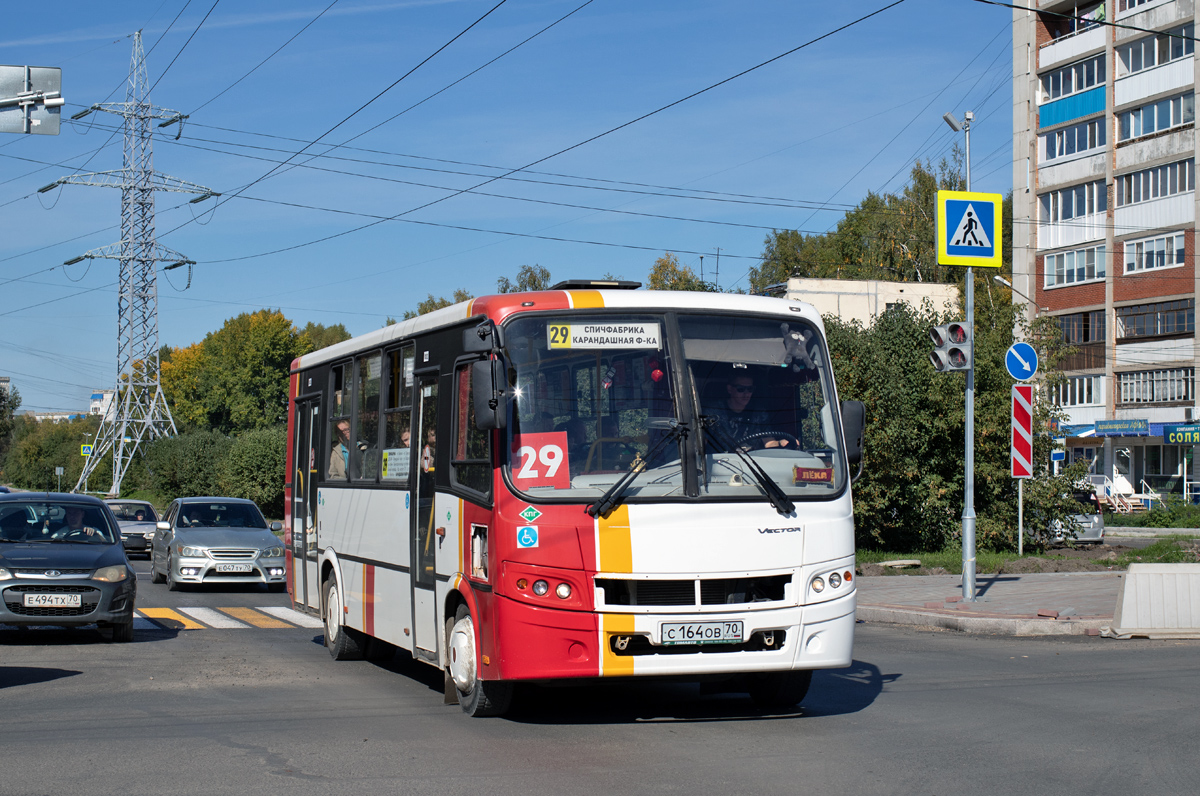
{"x": 1048, "y": 613}
{"x": 1158, "y": 601}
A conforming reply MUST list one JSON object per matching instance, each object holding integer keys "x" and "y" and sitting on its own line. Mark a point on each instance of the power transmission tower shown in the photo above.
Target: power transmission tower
{"x": 140, "y": 412}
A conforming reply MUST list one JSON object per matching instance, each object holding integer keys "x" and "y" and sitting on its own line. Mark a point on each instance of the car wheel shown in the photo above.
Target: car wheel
{"x": 155, "y": 575}
{"x": 343, "y": 643}
{"x": 121, "y": 632}
{"x": 778, "y": 690}
{"x": 172, "y": 584}
{"x": 476, "y": 697}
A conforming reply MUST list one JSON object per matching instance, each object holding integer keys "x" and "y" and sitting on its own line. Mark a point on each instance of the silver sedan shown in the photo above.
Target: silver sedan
{"x": 216, "y": 540}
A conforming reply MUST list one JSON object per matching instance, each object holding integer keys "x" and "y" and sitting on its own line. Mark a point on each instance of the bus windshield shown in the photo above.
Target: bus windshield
{"x": 597, "y": 394}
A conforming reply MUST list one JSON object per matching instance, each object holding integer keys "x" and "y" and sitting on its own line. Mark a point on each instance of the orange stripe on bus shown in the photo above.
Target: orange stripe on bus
{"x": 369, "y": 599}
{"x": 614, "y": 542}
{"x": 586, "y": 299}
{"x": 614, "y": 665}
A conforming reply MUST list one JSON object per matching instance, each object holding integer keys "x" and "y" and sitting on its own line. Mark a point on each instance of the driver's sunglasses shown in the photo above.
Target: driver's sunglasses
{"x": 742, "y": 388}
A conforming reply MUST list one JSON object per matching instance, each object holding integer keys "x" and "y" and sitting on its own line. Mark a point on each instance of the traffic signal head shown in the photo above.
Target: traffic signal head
{"x": 951, "y": 347}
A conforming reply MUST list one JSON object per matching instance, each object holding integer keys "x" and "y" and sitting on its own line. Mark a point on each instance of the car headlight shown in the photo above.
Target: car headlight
{"x": 192, "y": 552}
{"x": 112, "y": 574}
{"x": 272, "y": 552}
{"x": 5, "y": 574}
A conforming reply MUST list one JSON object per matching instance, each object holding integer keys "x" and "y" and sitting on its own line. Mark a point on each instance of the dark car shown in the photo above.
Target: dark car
{"x": 137, "y": 520}
{"x": 216, "y": 540}
{"x": 4, "y": 490}
{"x": 62, "y": 563}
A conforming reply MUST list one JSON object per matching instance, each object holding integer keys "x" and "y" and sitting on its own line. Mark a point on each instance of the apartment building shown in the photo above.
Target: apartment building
{"x": 1104, "y": 219}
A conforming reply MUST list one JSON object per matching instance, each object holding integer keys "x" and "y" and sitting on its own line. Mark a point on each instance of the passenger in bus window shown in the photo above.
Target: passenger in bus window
{"x": 736, "y": 417}
{"x": 339, "y": 456}
{"x": 405, "y": 436}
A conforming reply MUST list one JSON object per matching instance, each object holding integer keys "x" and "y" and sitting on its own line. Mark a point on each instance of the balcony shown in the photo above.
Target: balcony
{"x": 1076, "y": 106}
{"x": 1070, "y": 47}
{"x": 1070, "y": 169}
{"x": 1170, "y": 145}
{"x": 1152, "y": 353}
{"x": 1073, "y": 232}
{"x": 1087, "y": 356}
{"x": 1170, "y": 211}
{"x": 1173, "y": 76}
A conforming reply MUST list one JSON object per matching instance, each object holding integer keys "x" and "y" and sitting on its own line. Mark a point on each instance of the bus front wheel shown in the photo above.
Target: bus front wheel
{"x": 476, "y": 697}
{"x": 778, "y": 690}
{"x": 342, "y": 642}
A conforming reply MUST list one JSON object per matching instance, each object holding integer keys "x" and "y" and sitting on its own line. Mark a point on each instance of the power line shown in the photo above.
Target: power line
{"x": 196, "y": 30}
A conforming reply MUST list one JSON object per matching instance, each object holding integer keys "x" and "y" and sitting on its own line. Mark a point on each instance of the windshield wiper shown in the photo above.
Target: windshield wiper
{"x": 775, "y": 493}
{"x": 610, "y": 499}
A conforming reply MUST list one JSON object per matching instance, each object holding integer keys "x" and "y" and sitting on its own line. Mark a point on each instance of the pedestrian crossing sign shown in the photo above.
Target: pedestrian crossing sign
{"x": 968, "y": 228}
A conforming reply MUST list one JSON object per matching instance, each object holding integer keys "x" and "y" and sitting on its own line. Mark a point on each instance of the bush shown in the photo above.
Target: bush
{"x": 187, "y": 465}
{"x": 1177, "y": 513}
{"x": 254, "y": 469}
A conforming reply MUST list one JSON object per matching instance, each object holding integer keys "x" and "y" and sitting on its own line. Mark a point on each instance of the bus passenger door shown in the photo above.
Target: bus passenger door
{"x": 304, "y": 505}
{"x": 424, "y": 576}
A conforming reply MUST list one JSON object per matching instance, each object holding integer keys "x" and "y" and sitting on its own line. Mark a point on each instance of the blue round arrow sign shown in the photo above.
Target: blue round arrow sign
{"x": 1021, "y": 361}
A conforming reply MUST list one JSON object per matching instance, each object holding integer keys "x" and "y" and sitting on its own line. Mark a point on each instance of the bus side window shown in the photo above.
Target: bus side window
{"x": 472, "y": 458}
{"x": 364, "y": 455}
{"x": 337, "y": 461}
{"x": 397, "y": 431}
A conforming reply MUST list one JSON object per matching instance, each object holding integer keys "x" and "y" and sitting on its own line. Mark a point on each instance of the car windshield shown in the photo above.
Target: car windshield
{"x": 597, "y": 398}
{"x": 134, "y": 512}
{"x": 49, "y": 522}
{"x": 220, "y": 515}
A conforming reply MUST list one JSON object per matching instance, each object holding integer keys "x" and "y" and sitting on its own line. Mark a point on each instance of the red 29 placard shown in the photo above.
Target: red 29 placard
{"x": 541, "y": 460}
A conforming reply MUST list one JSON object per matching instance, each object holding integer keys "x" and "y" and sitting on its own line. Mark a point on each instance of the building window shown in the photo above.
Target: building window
{"x": 1160, "y": 252}
{"x": 1083, "y": 327}
{"x": 1151, "y": 320}
{"x": 1158, "y": 116}
{"x": 1157, "y": 386}
{"x": 1075, "y": 202}
{"x": 1079, "y": 391}
{"x": 1075, "y": 139}
{"x": 1155, "y": 50}
{"x": 1082, "y": 265}
{"x": 1072, "y": 79}
{"x": 1148, "y": 184}
{"x": 1125, "y": 5}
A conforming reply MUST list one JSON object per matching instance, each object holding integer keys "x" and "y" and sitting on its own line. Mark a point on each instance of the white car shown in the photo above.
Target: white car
{"x": 1091, "y": 526}
{"x": 203, "y": 540}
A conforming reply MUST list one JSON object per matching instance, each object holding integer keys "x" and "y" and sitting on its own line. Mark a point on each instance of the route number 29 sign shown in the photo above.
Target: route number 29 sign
{"x": 541, "y": 460}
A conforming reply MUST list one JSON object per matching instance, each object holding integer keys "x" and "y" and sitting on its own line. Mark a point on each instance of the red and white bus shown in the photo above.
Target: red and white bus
{"x": 589, "y": 481}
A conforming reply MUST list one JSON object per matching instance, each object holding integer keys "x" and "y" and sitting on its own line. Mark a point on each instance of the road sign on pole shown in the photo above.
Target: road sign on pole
{"x": 1021, "y": 361}
{"x": 968, "y": 226}
{"x": 30, "y": 99}
{"x": 85, "y": 450}
{"x": 1022, "y": 431}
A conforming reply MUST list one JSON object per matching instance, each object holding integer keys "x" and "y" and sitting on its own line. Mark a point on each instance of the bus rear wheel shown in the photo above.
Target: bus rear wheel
{"x": 342, "y": 642}
{"x": 778, "y": 690}
{"x": 476, "y": 697}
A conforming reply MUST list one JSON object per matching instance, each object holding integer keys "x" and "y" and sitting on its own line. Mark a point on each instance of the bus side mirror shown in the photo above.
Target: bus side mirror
{"x": 483, "y": 339}
{"x": 854, "y": 415}
{"x": 488, "y": 394}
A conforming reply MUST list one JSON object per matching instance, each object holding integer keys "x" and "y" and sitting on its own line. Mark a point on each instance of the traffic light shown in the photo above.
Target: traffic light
{"x": 951, "y": 347}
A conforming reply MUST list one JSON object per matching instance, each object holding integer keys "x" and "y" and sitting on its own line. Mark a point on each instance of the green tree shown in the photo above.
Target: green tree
{"x": 431, "y": 303}
{"x": 10, "y": 402}
{"x": 39, "y": 447}
{"x": 254, "y": 468}
{"x": 317, "y": 336}
{"x": 529, "y": 278}
{"x": 187, "y": 465}
{"x": 670, "y": 274}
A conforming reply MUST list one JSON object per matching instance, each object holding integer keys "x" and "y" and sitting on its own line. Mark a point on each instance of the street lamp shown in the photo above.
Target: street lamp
{"x": 1001, "y": 280}
{"x": 968, "y": 515}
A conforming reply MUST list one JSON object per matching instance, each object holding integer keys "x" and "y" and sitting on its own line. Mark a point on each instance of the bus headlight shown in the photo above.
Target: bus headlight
{"x": 818, "y": 585}
{"x": 835, "y": 580}
{"x": 563, "y": 591}
{"x": 540, "y": 587}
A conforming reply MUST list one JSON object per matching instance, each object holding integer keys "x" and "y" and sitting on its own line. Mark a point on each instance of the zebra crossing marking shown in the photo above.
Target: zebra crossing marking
{"x": 253, "y": 617}
{"x": 171, "y": 620}
{"x": 294, "y": 616}
{"x": 214, "y": 618}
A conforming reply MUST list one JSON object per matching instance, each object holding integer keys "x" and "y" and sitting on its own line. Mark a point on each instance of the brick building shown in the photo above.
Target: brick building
{"x": 1104, "y": 222}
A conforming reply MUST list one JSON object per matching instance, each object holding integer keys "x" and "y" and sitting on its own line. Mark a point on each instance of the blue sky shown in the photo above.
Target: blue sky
{"x": 819, "y": 127}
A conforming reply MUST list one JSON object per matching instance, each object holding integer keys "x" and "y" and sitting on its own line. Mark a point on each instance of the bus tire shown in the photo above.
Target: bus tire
{"x": 342, "y": 642}
{"x": 476, "y": 697}
{"x": 778, "y": 690}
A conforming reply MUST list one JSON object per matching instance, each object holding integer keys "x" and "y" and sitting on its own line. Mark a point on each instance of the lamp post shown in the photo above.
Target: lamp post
{"x": 968, "y": 515}
{"x": 1002, "y": 281}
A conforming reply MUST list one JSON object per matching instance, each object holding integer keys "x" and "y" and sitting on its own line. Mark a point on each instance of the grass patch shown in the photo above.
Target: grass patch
{"x": 1164, "y": 551}
{"x": 950, "y": 560}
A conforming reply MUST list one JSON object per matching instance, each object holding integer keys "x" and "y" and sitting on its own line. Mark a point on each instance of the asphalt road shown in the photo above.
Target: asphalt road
{"x": 265, "y": 710}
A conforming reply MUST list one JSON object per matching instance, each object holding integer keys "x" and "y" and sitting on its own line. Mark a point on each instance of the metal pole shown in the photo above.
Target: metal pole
{"x": 1020, "y": 516}
{"x": 968, "y": 516}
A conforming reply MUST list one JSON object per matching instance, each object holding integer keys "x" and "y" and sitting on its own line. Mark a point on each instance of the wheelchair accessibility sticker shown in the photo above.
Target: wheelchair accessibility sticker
{"x": 527, "y": 536}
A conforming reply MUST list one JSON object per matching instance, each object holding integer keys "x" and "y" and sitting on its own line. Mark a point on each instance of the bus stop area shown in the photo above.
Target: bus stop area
{"x": 1030, "y": 604}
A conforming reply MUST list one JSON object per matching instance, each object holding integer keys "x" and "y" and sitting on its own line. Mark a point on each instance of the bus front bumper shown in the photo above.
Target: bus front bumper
{"x": 537, "y": 643}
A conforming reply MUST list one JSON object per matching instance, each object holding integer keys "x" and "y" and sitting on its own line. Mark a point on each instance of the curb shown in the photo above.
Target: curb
{"x": 995, "y": 624}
